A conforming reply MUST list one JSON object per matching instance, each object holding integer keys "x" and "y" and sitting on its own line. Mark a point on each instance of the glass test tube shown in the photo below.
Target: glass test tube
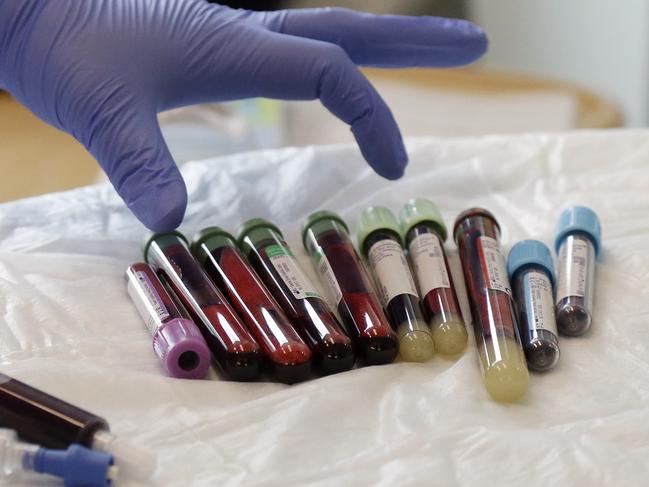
{"x": 233, "y": 348}
{"x": 177, "y": 341}
{"x": 502, "y": 360}
{"x": 264, "y": 245}
{"x": 531, "y": 272}
{"x": 424, "y": 233}
{"x": 379, "y": 239}
{"x": 40, "y": 418}
{"x": 326, "y": 239}
{"x": 577, "y": 243}
{"x": 289, "y": 356}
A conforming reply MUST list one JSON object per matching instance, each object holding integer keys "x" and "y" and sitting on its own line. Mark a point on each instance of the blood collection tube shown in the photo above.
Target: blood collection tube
{"x": 577, "y": 243}
{"x": 502, "y": 360}
{"x": 269, "y": 254}
{"x": 531, "y": 272}
{"x": 424, "y": 233}
{"x": 233, "y": 348}
{"x": 217, "y": 252}
{"x": 326, "y": 238}
{"x": 38, "y": 417}
{"x": 379, "y": 239}
{"x": 177, "y": 341}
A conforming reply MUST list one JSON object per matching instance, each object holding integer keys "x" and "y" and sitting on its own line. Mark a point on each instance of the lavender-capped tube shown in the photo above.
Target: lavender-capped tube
{"x": 177, "y": 341}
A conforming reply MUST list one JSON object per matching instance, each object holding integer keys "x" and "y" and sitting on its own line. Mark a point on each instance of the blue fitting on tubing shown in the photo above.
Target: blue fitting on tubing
{"x": 77, "y": 466}
{"x": 530, "y": 252}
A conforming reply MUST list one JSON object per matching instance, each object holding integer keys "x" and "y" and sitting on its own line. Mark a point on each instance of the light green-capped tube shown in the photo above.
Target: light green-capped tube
{"x": 380, "y": 242}
{"x": 424, "y": 234}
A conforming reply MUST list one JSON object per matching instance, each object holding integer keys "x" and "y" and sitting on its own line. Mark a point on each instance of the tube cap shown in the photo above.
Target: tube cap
{"x": 182, "y": 349}
{"x": 253, "y": 224}
{"x": 377, "y": 218}
{"x": 209, "y": 236}
{"x": 530, "y": 252}
{"x": 578, "y": 219}
{"x": 151, "y": 237}
{"x": 472, "y": 212}
{"x": 420, "y": 210}
{"x": 319, "y": 216}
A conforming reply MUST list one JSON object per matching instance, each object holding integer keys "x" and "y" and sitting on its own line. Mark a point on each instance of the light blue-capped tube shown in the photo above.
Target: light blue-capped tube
{"x": 531, "y": 272}
{"x": 577, "y": 243}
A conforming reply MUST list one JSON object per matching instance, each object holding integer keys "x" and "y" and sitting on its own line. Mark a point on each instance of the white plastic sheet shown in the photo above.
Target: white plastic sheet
{"x": 68, "y": 327}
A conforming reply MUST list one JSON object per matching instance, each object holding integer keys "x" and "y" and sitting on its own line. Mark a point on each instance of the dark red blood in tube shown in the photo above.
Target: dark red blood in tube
{"x": 327, "y": 238}
{"x": 289, "y": 356}
{"x": 232, "y": 345}
{"x": 275, "y": 264}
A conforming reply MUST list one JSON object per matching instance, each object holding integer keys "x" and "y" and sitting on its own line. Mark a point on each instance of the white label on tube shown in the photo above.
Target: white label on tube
{"x": 291, "y": 273}
{"x": 329, "y": 278}
{"x": 573, "y": 262}
{"x": 146, "y": 299}
{"x": 493, "y": 265}
{"x": 427, "y": 255}
{"x": 391, "y": 269}
{"x": 538, "y": 302}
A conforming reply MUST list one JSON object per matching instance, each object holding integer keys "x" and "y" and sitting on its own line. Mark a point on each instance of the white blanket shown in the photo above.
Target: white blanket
{"x": 68, "y": 327}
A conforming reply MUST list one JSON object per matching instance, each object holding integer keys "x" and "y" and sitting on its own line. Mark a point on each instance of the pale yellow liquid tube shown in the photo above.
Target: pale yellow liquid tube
{"x": 501, "y": 355}
{"x": 424, "y": 234}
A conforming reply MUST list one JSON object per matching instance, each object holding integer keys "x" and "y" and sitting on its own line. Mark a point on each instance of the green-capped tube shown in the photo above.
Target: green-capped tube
{"x": 288, "y": 356}
{"x": 233, "y": 347}
{"x": 380, "y": 240}
{"x": 424, "y": 234}
{"x": 326, "y": 239}
{"x": 271, "y": 257}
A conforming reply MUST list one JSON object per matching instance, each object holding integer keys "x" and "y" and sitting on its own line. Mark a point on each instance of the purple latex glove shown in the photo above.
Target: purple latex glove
{"x": 102, "y": 69}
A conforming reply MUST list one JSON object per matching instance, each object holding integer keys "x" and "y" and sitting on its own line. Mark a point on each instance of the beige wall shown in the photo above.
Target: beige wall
{"x": 36, "y": 158}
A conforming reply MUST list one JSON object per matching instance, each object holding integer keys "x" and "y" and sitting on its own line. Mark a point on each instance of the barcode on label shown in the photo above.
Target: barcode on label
{"x": 493, "y": 265}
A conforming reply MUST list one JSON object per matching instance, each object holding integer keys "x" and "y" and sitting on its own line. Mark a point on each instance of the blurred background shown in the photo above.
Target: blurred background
{"x": 552, "y": 65}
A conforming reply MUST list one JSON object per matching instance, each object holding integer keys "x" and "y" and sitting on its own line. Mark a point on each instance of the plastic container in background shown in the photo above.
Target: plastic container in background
{"x": 477, "y": 235}
{"x": 326, "y": 238}
{"x": 177, "y": 341}
{"x": 40, "y": 418}
{"x": 577, "y": 242}
{"x": 289, "y": 357}
{"x": 232, "y": 346}
{"x": 269, "y": 254}
{"x": 379, "y": 238}
{"x": 424, "y": 234}
{"x": 531, "y": 272}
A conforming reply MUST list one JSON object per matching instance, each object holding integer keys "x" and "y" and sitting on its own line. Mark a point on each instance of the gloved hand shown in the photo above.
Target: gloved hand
{"x": 102, "y": 69}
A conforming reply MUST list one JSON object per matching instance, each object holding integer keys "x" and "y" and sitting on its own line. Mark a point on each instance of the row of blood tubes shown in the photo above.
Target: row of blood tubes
{"x": 248, "y": 303}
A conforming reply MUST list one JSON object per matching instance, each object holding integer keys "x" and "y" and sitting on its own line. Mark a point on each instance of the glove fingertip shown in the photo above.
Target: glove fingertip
{"x": 476, "y": 44}
{"x": 395, "y": 167}
{"x": 162, "y": 209}
{"x": 387, "y": 155}
{"x": 469, "y": 41}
